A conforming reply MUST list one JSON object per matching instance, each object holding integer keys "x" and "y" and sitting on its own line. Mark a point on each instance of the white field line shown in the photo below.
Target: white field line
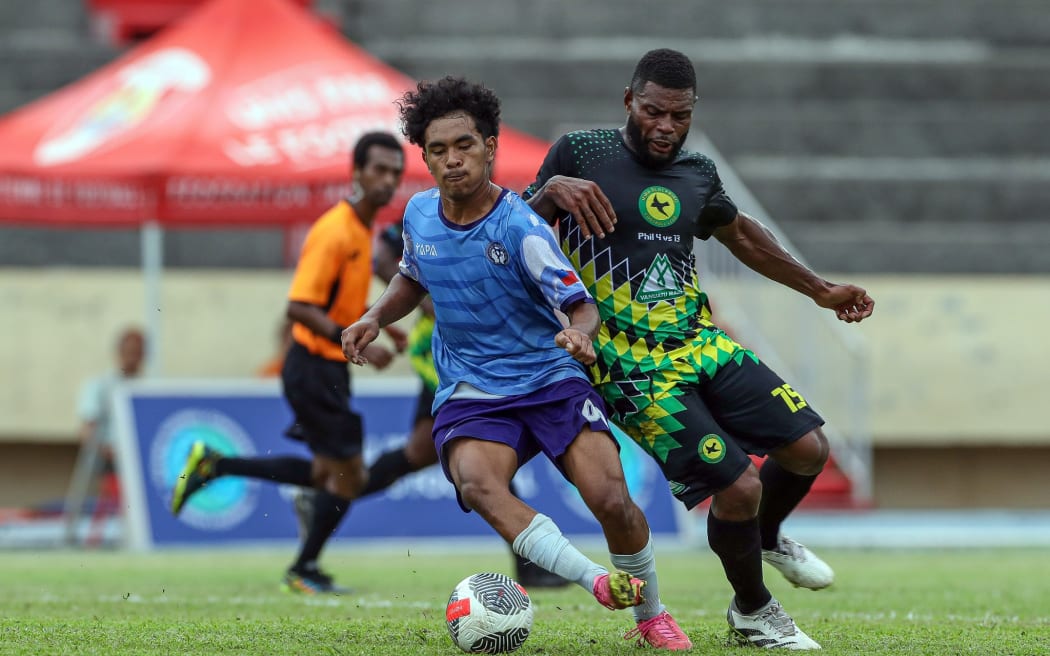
{"x": 368, "y": 602}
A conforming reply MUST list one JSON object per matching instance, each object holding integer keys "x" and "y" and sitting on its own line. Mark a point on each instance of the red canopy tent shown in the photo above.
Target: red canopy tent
{"x": 242, "y": 113}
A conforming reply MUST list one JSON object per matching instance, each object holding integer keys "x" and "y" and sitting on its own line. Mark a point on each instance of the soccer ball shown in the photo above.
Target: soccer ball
{"x": 489, "y": 613}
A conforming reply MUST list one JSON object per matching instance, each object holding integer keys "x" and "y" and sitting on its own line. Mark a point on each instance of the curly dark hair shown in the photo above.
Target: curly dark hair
{"x": 668, "y": 68}
{"x": 432, "y": 100}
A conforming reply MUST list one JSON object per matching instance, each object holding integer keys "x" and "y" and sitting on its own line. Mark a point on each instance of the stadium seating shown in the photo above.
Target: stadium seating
{"x": 852, "y": 122}
{"x": 882, "y": 136}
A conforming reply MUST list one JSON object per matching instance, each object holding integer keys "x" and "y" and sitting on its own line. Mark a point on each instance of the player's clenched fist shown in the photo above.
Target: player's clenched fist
{"x": 576, "y": 344}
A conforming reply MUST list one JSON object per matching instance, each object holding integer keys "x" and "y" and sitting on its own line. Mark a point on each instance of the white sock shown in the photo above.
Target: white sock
{"x": 642, "y": 565}
{"x": 542, "y": 543}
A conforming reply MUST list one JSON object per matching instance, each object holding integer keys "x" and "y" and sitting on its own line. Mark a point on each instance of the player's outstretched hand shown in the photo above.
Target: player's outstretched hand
{"x": 850, "y": 303}
{"x": 577, "y": 344}
{"x": 378, "y": 356}
{"x": 585, "y": 201}
{"x": 399, "y": 337}
{"x": 356, "y": 337}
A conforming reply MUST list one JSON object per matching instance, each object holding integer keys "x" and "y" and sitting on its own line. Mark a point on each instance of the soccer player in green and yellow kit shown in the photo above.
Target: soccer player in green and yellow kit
{"x": 698, "y": 402}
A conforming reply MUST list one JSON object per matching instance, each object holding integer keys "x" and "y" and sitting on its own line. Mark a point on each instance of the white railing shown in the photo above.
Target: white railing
{"x": 821, "y": 357}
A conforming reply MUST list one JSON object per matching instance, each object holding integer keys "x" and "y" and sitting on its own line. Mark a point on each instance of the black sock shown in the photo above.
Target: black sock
{"x": 387, "y": 469}
{"x": 782, "y": 491}
{"x": 294, "y": 471}
{"x": 329, "y": 510}
{"x": 737, "y": 546}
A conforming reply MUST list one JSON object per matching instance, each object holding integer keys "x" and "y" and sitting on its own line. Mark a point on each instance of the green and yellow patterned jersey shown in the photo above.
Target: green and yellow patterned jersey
{"x": 419, "y": 353}
{"x": 643, "y": 274}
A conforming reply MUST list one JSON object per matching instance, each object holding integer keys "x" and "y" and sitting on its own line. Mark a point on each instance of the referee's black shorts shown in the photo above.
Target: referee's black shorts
{"x": 318, "y": 390}
{"x": 423, "y": 405}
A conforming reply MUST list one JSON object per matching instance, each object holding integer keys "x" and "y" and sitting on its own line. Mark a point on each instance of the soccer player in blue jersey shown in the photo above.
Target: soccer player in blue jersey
{"x": 511, "y": 379}
{"x": 418, "y": 451}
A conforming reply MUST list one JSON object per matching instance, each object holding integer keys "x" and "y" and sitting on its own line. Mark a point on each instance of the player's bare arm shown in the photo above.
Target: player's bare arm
{"x": 578, "y": 338}
{"x": 581, "y": 198}
{"x": 754, "y": 245}
{"x": 315, "y": 318}
{"x": 402, "y": 296}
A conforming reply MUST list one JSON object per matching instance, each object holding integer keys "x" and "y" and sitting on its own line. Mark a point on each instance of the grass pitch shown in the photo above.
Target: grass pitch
{"x": 229, "y": 602}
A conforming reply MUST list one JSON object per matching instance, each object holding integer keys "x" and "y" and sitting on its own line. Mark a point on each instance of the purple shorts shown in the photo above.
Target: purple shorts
{"x": 547, "y": 420}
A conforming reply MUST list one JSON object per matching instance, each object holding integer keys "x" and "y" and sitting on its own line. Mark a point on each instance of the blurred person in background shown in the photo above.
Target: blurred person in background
{"x": 301, "y": 497}
{"x": 95, "y": 460}
{"x": 329, "y": 290}
{"x": 272, "y": 367}
{"x": 511, "y": 378}
{"x": 695, "y": 400}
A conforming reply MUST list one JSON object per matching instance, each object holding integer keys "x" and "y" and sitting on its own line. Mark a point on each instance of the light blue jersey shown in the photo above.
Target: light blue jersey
{"x": 495, "y": 284}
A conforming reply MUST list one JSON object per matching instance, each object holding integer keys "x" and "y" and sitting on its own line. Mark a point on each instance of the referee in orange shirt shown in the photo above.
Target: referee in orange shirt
{"x": 329, "y": 291}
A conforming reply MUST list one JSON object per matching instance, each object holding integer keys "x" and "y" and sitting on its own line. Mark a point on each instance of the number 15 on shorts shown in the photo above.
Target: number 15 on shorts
{"x": 790, "y": 397}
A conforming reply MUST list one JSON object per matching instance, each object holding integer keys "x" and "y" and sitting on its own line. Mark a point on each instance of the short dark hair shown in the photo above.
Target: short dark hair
{"x": 432, "y": 100}
{"x": 666, "y": 67}
{"x": 369, "y": 139}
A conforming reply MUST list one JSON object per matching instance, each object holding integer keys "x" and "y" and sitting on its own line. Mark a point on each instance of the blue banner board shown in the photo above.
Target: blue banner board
{"x": 160, "y": 421}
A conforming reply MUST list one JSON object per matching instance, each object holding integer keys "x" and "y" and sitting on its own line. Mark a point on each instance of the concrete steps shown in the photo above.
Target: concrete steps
{"x": 882, "y": 135}
{"x": 536, "y": 68}
{"x": 68, "y": 16}
{"x": 37, "y": 63}
{"x": 1011, "y": 22}
{"x": 887, "y": 128}
{"x": 851, "y": 120}
{"x": 851, "y": 246}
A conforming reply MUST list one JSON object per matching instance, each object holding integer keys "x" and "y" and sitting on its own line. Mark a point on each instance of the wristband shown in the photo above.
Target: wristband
{"x": 337, "y": 335}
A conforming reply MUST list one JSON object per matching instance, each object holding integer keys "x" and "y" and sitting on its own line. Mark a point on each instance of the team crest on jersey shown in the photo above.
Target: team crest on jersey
{"x": 497, "y": 253}
{"x": 659, "y": 282}
{"x": 659, "y": 206}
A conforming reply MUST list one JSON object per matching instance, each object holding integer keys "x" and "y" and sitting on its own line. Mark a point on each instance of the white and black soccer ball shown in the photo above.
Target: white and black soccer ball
{"x": 489, "y": 613}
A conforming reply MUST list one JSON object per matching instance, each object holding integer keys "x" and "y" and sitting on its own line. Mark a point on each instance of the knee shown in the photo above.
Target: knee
{"x": 739, "y": 502}
{"x": 346, "y": 479}
{"x": 478, "y": 494}
{"x": 420, "y": 451}
{"x": 613, "y": 507}
{"x": 342, "y": 488}
{"x": 807, "y": 455}
{"x": 318, "y": 480}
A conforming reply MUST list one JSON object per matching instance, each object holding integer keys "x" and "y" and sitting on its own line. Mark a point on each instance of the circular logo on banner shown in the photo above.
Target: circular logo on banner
{"x": 224, "y": 502}
{"x": 659, "y": 206}
{"x": 712, "y": 449}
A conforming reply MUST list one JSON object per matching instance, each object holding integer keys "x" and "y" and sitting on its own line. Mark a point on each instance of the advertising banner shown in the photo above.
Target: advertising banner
{"x": 158, "y": 421}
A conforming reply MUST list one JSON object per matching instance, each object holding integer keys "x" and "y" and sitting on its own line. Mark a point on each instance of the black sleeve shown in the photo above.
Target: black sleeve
{"x": 719, "y": 209}
{"x": 557, "y": 162}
